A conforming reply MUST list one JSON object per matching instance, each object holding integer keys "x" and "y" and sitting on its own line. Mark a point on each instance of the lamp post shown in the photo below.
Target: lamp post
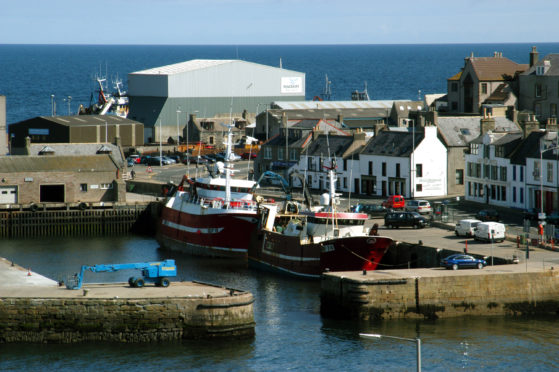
{"x": 416, "y": 340}
{"x": 160, "y": 146}
{"x": 69, "y": 100}
{"x": 178, "y": 135}
{"x": 52, "y": 105}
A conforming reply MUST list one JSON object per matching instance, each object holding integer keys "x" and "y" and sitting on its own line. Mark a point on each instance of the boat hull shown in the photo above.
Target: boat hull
{"x": 224, "y": 234}
{"x": 287, "y": 254}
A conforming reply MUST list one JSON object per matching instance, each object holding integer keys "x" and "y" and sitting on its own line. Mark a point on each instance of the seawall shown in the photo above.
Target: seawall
{"x": 439, "y": 293}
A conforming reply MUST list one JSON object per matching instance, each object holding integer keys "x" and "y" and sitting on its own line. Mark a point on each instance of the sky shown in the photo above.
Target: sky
{"x": 243, "y": 22}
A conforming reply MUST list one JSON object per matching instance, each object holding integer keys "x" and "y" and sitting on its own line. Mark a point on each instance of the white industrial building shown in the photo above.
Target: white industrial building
{"x": 163, "y": 97}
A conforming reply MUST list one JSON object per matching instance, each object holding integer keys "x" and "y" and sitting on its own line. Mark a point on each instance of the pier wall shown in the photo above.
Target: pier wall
{"x": 441, "y": 296}
{"x": 70, "y": 320}
{"x": 89, "y": 222}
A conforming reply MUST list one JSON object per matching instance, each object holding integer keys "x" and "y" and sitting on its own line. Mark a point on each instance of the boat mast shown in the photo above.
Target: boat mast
{"x": 228, "y": 165}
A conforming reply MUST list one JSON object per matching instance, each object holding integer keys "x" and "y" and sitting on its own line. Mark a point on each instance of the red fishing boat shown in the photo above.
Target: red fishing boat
{"x": 210, "y": 216}
{"x": 306, "y": 243}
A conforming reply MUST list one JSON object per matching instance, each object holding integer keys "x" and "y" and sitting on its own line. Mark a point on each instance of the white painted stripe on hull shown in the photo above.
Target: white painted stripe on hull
{"x": 223, "y": 249}
{"x": 194, "y": 230}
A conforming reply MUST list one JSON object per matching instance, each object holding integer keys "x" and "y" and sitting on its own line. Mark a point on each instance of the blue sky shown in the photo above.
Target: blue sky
{"x": 277, "y": 21}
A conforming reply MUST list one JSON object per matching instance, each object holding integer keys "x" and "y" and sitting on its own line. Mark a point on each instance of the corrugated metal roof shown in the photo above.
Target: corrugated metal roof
{"x": 83, "y": 120}
{"x": 177, "y": 68}
{"x": 50, "y": 163}
{"x": 335, "y": 105}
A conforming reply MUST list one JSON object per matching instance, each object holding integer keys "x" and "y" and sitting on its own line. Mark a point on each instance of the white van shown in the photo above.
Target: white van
{"x": 466, "y": 227}
{"x": 490, "y": 230}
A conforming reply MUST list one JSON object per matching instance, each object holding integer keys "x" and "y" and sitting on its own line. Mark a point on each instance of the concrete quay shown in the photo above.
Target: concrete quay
{"x": 529, "y": 287}
{"x": 36, "y": 309}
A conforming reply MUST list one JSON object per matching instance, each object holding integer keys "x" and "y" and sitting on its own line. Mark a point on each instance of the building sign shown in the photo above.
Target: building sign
{"x": 38, "y": 131}
{"x": 291, "y": 85}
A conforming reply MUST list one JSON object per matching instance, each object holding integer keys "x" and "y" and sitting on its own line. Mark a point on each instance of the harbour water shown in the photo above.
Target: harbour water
{"x": 290, "y": 333}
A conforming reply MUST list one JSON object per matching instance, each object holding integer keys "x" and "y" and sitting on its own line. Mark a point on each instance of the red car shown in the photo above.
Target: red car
{"x": 394, "y": 202}
{"x": 248, "y": 155}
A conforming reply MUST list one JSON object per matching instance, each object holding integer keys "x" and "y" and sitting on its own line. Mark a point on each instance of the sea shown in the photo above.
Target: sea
{"x": 290, "y": 332}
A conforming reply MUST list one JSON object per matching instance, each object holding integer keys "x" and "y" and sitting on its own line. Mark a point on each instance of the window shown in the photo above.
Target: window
{"x": 384, "y": 169}
{"x": 454, "y": 87}
{"x": 419, "y": 170}
{"x": 536, "y": 170}
{"x": 280, "y": 153}
{"x": 459, "y": 176}
{"x": 371, "y": 168}
{"x": 483, "y": 88}
{"x": 521, "y": 195}
{"x": 267, "y": 153}
{"x": 553, "y": 109}
{"x": 503, "y": 173}
{"x": 293, "y": 155}
{"x": 418, "y": 187}
{"x": 474, "y": 148}
{"x": 503, "y": 193}
{"x": 106, "y": 186}
{"x": 500, "y": 151}
{"x": 514, "y": 172}
{"x": 345, "y": 164}
{"x": 521, "y": 174}
{"x": 83, "y": 187}
{"x": 549, "y": 172}
{"x": 538, "y": 90}
{"x": 397, "y": 170}
{"x": 345, "y": 183}
{"x": 538, "y": 109}
{"x": 310, "y": 165}
{"x": 486, "y": 151}
{"x": 469, "y": 188}
{"x": 494, "y": 172}
{"x": 514, "y": 194}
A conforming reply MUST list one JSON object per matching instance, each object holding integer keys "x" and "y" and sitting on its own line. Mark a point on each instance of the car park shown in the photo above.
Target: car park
{"x": 419, "y": 206}
{"x": 490, "y": 231}
{"x": 466, "y": 227}
{"x": 371, "y": 209}
{"x": 488, "y": 215}
{"x": 459, "y": 261}
{"x": 394, "y": 202}
{"x": 404, "y": 219}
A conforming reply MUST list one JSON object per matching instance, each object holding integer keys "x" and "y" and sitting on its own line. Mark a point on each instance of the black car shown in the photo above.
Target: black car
{"x": 370, "y": 209}
{"x": 408, "y": 219}
{"x": 488, "y": 215}
{"x": 531, "y": 214}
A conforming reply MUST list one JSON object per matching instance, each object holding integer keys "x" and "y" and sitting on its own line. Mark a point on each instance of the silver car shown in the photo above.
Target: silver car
{"x": 419, "y": 206}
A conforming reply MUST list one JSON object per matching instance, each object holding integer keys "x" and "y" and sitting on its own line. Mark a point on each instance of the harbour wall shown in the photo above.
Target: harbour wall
{"x": 438, "y": 293}
{"x": 43, "y": 222}
{"x": 150, "y": 319}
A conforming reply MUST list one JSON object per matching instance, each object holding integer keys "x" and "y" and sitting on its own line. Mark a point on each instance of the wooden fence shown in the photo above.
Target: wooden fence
{"x": 55, "y": 223}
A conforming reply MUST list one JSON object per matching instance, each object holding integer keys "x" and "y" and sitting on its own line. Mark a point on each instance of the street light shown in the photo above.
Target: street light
{"x": 416, "y": 340}
{"x": 178, "y": 135}
{"x": 69, "y": 100}
{"x": 52, "y": 105}
{"x": 160, "y": 146}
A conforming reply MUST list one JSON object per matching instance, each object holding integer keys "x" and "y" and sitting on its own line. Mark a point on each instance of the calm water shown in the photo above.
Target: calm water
{"x": 29, "y": 74}
{"x": 290, "y": 333}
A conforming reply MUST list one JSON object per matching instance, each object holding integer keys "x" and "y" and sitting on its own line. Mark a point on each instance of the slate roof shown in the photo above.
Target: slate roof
{"x": 529, "y": 148}
{"x": 52, "y": 163}
{"x": 393, "y": 143}
{"x": 78, "y": 149}
{"x": 327, "y": 146}
{"x": 458, "y": 131}
{"x": 553, "y": 68}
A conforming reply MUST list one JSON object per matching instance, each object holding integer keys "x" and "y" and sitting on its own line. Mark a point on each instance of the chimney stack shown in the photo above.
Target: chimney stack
{"x": 534, "y": 55}
{"x": 529, "y": 124}
{"x": 487, "y": 123}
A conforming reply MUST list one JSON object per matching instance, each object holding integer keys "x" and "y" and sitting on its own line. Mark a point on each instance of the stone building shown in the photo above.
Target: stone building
{"x": 60, "y": 179}
{"x": 482, "y": 79}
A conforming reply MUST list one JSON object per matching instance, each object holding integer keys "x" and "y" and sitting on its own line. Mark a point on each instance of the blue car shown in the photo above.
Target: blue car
{"x": 458, "y": 261}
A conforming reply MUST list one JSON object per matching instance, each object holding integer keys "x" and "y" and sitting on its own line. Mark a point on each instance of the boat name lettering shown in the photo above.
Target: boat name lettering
{"x": 328, "y": 248}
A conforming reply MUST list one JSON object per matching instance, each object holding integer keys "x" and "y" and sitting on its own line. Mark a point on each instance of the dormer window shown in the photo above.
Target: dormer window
{"x": 540, "y": 70}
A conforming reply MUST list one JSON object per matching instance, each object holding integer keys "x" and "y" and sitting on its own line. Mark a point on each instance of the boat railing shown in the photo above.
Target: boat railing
{"x": 219, "y": 203}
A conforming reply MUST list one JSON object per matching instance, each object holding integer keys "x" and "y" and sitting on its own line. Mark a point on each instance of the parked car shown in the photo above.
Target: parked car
{"x": 130, "y": 162}
{"x": 409, "y": 219}
{"x": 459, "y": 261}
{"x": 194, "y": 159}
{"x": 466, "y": 227}
{"x": 394, "y": 202}
{"x": 488, "y": 215}
{"x": 419, "y": 206}
{"x": 552, "y": 218}
{"x": 488, "y": 231}
{"x": 370, "y": 209}
{"x": 531, "y": 214}
{"x": 135, "y": 158}
{"x": 209, "y": 158}
{"x": 248, "y": 155}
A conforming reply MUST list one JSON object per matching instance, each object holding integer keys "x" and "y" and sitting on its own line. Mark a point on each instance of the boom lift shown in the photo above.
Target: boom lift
{"x": 152, "y": 272}
{"x": 287, "y": 186}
